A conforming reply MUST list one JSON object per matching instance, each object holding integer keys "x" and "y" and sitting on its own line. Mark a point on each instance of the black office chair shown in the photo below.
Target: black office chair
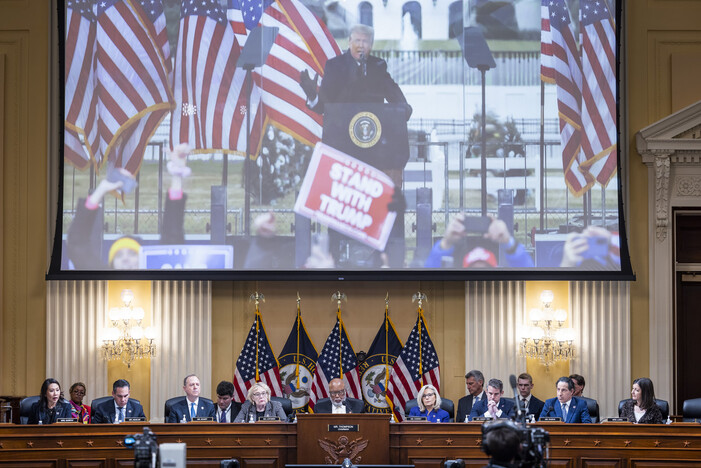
{"x": 169, "y": 404}
{"x": 25, "y": 406}
{"x": 98, "y": 401}
{"x": 446, "y": 405}
{"x": 593, "y": 408}
{"x": 662, "y": 404}
{"x": 691, "y": 410}
{"x": 286, "y": 406}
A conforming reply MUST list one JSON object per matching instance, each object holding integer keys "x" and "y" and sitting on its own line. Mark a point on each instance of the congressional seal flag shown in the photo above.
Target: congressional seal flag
{"x": 337, "y": 360}
{"x": 297, "y": 363}
{"x": 416, "y": 366}
{"x": 376, "y": 368}
{"x": 257, "y": 362}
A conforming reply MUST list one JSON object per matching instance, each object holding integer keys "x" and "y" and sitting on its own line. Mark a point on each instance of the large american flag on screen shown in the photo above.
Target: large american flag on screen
{"x": 133, "y": 88}
{"x": 547, "y": 72}
{"x": 256, "y": 363}
{"x": 303, "y": 43}
{"x": 210, "y": 103}
{"x": 80, "y": 99}
{"x": 567, "y": 68}
{"x": 416, "y": 366}
{"x": 598, "y": 46}
{"x": 337, "y": 359}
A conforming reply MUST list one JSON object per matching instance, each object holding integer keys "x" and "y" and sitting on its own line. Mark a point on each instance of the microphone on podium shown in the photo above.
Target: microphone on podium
{"x": 520, "y": 415}
{"x": 364, "y": 64}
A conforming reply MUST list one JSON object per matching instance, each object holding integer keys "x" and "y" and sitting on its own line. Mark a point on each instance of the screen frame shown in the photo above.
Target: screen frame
{"x": 626, "y": 272}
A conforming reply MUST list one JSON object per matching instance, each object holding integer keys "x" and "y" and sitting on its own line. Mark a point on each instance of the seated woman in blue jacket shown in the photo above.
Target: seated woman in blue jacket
{"x": 429, "y": 405}
{"x": 50, "y": 406}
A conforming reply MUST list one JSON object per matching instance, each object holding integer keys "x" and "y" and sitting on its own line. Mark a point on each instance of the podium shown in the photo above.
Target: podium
{"x": 324, "y": 439}
{"x": 372, "y": 132}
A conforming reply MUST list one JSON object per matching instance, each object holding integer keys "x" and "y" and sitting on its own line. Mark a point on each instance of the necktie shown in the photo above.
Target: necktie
{"x": 193, "y": 413}
{"x": 121, "y": 414}
{"x": 564, "y": 411}
{"x": 222, "y": 419}
{"x": 525, "y": 403}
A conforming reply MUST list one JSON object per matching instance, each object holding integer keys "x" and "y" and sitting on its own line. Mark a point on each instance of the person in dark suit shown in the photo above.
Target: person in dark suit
{"x": 358, "y": 77}
{"x": 227, "y": 408}
{"x": 339, "y": 403}
{"x": 50, "y": 406}
{"x": 354, "y": 76}
{"x": 641, "y": 408}
{"x": 494, "y": 406}
{"x": 474, "y": 381}
{"x": 258, "y": 405}
{"x": 192, "y": 405}
{"x": 528, "y": 402}
{"x": 579, "y": 384}
{"x": 571, "y": 409}
{"x": 120, "y": 408}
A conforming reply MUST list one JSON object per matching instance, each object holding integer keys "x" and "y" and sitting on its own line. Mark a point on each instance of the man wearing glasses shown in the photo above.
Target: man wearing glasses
{"x": 339, "y": 403}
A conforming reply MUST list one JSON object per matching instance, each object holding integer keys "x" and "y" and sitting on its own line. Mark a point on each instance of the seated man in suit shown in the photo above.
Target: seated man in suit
{"x": 339, "y": 403}
{"x": 493, "y": 406}
{"x": 192, "y": 406}
{"x": 227, "y": 408}
{"x": 566, "y": 406}
{"x": 529, "y": 403}
{"x": 120, "y": 408}
{"x": 474, "y": 381}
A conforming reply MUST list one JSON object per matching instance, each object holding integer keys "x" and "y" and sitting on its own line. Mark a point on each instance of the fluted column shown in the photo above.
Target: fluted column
{"x": 182, "y": 316}
{"x": 493, "y": 314}
{"x": 601, "y": 319}
{"x": 75, "y": 317}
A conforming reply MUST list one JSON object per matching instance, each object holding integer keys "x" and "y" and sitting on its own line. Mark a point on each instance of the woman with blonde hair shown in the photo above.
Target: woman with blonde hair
{"x": 429, "y": 405}
{"x": 258, "y": 405}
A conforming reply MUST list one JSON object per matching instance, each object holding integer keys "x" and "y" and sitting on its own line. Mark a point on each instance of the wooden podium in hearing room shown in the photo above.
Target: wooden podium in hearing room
{"x": 330, "y": 438}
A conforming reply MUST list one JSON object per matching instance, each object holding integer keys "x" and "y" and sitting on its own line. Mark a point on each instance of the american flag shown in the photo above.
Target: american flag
{"x": 337, "y": 359}
{"x": 568, "y": 79}
{"x": 80, "y": 104}
{"x": 303, "y": 43}
{"x": 547, "y": 73}
{"x": 133, "y": 89}
{"x": 256, "y": 363}
{"x": 210, "y": 103}
{"x": 598, "y": 47}
{"x": 416, "y": 366}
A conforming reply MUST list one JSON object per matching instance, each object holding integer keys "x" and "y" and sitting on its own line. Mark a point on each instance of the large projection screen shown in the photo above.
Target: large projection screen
{"x": 386, "y": 139}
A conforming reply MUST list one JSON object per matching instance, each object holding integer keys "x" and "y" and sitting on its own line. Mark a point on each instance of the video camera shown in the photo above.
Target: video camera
{"x": 145, "y": 448}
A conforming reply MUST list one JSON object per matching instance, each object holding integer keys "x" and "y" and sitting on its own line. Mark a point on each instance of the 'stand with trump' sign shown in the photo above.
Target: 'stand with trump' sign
{"x": 347, "y": 195}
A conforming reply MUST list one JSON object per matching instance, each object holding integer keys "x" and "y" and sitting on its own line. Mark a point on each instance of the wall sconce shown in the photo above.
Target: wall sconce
{"x": 125, "y": 339}
{"x": 546, "y": 339}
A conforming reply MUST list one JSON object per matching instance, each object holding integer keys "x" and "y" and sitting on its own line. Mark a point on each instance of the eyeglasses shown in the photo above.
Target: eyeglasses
{"x": 259, "y": 394}
{"x": 338, "y": 393}
{"x": 428, "y": 395}
{"x": 79, "y": 392}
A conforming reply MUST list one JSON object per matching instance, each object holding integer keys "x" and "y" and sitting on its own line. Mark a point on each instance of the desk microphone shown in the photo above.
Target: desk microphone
{"x": 364, "y": 64}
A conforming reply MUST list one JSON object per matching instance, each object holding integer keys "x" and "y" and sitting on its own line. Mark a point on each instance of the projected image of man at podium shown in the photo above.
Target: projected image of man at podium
{"x": 356, "y": 82}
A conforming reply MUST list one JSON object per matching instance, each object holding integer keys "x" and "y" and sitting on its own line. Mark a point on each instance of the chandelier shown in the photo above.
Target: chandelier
{"x": 546, "y": 339}
{"x": 125, "y": 339}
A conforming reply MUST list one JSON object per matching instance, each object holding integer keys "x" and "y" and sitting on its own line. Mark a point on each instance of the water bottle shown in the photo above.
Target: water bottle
{"x": 669, "y": 420}
{"x": 41, "y": 422}
{"x": 251, "y": 419}
{"x": 467, "y": 418}
{"x": 295, "y": 419}
{"x": 184, "y": 420}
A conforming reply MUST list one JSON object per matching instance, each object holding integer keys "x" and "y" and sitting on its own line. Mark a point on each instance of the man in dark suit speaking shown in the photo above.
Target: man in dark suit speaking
{"x": 339, "y": 403}
{"x": 120, "y": 408}
{"x": 356, "y": 78}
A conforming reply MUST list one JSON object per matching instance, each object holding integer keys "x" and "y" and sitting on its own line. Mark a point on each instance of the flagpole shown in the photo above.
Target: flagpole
{"x": 386, "y": 341}
{"x": 420, "y": 297}
{"x": 298, "y": 325}
{"x": 257, "y": 297}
